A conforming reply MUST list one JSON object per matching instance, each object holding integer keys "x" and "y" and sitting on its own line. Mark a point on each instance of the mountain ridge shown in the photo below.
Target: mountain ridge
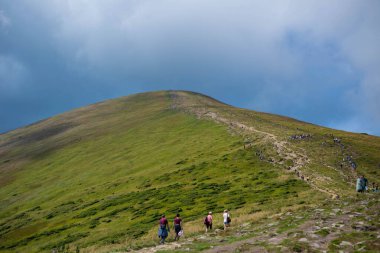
{"x": 72, "y": 178}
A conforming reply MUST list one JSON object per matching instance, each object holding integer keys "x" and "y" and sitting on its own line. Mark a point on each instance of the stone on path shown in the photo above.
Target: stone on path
{"x": 345, "y": 243}
{"x": 303, "y": 240}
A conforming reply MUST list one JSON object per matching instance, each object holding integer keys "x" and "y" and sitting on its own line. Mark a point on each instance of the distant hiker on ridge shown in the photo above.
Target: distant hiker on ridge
{"x": 208, "y": 221}
{"x": 365, "y": 184}
{"x": 177, "y": 226}
{"x": 163, "y": 229}
{"x": 360, "y": 184}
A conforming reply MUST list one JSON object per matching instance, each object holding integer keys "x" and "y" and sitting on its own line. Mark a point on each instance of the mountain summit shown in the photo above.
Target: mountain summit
{"x": 99, "y": 177}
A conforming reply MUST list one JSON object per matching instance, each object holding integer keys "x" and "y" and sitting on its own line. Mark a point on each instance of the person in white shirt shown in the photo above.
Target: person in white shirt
{"x": 226, "y": 219}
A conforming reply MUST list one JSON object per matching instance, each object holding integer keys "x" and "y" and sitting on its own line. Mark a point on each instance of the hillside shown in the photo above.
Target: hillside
{"x": 98, "y": 178}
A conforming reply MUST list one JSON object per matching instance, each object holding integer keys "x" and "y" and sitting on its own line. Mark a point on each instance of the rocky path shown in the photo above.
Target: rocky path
{"x": 299, "y": 158}
{"x": 282, "y": 148}
{"x": 164, "y": 247}
{"x": 343, "y": 226}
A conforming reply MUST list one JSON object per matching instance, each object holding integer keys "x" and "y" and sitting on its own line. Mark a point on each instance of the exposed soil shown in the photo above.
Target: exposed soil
{"x": 282, "y": 148}
{"x": 314, "y": 230}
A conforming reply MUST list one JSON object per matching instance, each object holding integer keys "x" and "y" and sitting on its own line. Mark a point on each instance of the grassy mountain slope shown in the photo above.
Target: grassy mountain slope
{"x": 102, "y": 175}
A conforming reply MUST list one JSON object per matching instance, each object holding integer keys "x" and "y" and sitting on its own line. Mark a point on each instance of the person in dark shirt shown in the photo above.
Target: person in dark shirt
{"x": 365, "y": 184}
{"x": 163, "y": 230}
{"x": 177, "y": 226}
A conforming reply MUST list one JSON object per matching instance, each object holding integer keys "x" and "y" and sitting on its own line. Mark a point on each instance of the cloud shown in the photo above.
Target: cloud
{"x": 313, "y": 60}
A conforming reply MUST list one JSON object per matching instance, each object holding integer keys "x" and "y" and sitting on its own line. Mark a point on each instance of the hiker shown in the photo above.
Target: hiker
{"x": 177, "y": 226}
{"x": 163, "y": 229}
{"x": 365, "y": 183}
{"x": 226, "y": 219}
{"x": 359, "y": 184}
{"x": 208, "y": 221}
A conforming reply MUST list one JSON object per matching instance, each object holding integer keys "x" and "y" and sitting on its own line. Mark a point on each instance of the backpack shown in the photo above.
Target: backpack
{"x": 206, "y": 221}
{"x": 228, "y": 219}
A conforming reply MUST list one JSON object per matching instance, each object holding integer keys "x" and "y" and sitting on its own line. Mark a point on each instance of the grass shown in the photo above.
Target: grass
{"x": 99, "y": 177}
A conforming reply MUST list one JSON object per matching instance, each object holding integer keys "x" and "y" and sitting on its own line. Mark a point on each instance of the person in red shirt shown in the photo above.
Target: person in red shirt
{"x": 177, "y": 226}
{"x": 208, "y": 221}
{"x": 163, "y": 230}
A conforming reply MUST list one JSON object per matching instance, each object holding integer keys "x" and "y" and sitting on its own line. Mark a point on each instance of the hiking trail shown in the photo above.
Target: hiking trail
{"x": 282, "y": 148}
{"x": 324, "y": 228}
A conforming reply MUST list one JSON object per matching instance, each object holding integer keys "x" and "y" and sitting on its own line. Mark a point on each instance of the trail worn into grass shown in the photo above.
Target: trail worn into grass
{"x": 282, "y": 148}
{"x": 351, "y": 225}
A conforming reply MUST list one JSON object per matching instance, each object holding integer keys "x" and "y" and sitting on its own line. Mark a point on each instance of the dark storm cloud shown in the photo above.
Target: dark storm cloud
{"x": 315, "y": 61}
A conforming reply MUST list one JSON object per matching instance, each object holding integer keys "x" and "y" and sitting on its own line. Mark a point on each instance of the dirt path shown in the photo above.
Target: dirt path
{"x": 320, "y": 231}
{"x": 167, "y": 246}
{"x": 346, "y": 226}
{"x": 299, "y": 157}
{"x": 329, "y": 227}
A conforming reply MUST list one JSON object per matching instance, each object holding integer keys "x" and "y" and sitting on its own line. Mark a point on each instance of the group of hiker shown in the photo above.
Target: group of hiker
{"x": 362, "y": 185}
{"x": 164, "y": 228}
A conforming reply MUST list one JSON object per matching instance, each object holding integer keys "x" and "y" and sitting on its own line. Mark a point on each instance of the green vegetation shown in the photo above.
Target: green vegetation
{"x": 102, "y": 175}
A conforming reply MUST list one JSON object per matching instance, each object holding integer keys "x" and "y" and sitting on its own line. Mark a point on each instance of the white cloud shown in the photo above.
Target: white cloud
{"x": 299, "y": 56}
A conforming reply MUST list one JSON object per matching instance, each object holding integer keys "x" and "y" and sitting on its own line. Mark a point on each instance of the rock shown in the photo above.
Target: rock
{"x": 274, "y": 240}
{"x": 303, "y": 240}
{"x": 345, "y": 243}
{"x": 315, "y": 245}
{"x": 361, "y": 227}
{"x": 314, "y": 236}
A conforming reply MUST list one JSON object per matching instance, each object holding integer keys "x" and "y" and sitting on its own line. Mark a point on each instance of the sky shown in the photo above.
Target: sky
{"x": 317, "y": 61}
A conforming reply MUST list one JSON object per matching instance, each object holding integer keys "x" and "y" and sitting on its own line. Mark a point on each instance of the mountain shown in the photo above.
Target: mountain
{"x": 97, "y": 178}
